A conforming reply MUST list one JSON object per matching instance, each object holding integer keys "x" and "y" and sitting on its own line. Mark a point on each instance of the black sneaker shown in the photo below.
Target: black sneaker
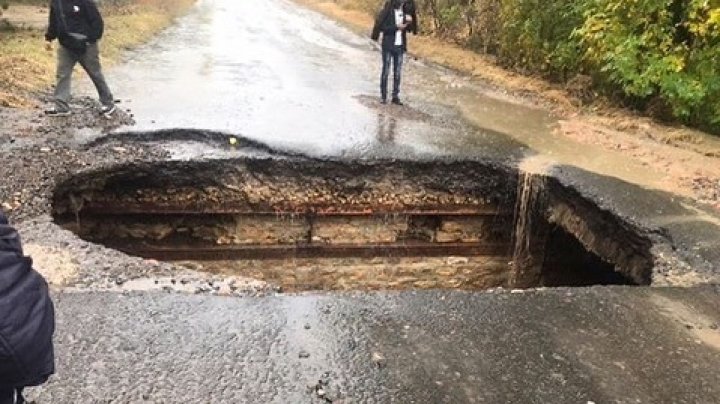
{"x": 57, "y": 112}
{"x": 383, "y": 101}
{"x": 397, "y": 101}
{"x": 108, "y": 110}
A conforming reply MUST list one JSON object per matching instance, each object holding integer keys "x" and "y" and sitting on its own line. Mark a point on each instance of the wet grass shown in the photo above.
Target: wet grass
{"x": 27, "y": 67}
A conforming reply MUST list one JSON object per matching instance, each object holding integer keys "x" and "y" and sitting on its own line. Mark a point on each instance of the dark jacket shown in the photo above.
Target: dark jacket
{"x": 81, "y": 17}
{"x": 385, "y": 23}
{"x": 27, "y": 317}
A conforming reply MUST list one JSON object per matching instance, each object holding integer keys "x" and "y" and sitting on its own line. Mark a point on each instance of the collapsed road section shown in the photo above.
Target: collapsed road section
{"x": 308, "y": 224}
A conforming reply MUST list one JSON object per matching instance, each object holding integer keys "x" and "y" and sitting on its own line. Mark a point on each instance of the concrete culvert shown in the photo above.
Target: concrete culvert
{"x": 326, "y": 225}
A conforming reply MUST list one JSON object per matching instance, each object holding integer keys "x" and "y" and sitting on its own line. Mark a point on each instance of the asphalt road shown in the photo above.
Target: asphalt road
{"x": 602, "y": 345}
{"x": 275, "y": 72}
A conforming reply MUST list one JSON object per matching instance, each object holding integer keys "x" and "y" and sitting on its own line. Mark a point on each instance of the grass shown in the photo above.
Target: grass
{"x": 27, "y": 68}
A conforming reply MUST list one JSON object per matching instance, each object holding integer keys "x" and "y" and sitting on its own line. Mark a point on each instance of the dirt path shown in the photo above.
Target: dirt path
{"x": 23, "y": 16}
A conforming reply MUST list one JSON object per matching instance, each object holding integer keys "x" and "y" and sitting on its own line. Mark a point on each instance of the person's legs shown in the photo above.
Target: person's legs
{"x": 65, "y": 63}
{"x": 386, "y": 60}
{"x": 90, "y": 61}
{"x": 398, "y": 57}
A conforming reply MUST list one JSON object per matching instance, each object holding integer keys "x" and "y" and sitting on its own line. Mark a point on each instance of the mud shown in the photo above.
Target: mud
{"x": 289, "y": 185}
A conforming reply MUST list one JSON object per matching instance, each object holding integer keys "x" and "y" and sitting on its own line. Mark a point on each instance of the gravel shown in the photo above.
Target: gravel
{"x": 37, "y": 154}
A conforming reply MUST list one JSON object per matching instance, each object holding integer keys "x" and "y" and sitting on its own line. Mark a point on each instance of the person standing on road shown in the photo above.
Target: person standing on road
{"x": 27, "y": 321}
{"x": 394, "y": 21}
{"x": 78, "y": 26}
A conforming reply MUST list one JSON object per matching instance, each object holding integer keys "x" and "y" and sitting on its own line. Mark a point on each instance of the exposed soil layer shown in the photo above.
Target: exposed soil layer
{"x": 357, "y": 225}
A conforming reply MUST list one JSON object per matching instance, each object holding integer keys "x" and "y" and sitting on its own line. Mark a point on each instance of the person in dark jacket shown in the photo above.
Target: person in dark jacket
{"x": 27, "y": 320}
{"x": 395, "y": 20}
{"x": 78, "y": 26}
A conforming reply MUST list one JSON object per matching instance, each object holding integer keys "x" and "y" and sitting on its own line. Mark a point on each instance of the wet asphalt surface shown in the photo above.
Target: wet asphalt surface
{"x": 296, "y": 81}
{"x": 599, "y": 345}
{"x": 305, "y": 85}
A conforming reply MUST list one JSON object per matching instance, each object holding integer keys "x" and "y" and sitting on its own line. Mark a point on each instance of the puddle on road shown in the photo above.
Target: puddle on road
{"x": 327, "y": 225}
{"x": 694, "y": 321}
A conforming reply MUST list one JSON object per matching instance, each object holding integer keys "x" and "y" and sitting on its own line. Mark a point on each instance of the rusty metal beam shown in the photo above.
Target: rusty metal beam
{"x": 235, "y": 252}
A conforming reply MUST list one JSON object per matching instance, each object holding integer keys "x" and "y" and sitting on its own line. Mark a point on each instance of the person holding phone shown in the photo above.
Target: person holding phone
{"x": 395, "y": 20}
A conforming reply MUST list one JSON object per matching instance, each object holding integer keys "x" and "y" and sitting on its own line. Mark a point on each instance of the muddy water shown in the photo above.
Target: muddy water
{"x": 532, "y": 127}
{"x": 527, "y": 196}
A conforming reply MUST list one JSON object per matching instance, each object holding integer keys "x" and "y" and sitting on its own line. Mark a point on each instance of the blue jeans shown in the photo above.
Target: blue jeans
{"x": 394, "y": 55}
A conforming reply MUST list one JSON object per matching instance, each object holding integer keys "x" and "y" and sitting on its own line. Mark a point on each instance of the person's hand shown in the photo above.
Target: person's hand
{"x": 408, "y": 20}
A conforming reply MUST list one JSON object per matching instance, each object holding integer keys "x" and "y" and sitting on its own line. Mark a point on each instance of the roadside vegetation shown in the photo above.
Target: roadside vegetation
{"x": 26, "y": 68}
{"x": 658, "y": 57}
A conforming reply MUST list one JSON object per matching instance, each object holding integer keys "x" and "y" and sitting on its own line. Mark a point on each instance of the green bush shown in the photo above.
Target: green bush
{"x": 666, "y": 50}
{"x": 535, "y": 36}
{"x": 655, "y": 55}
{"x": 484, "y": 26}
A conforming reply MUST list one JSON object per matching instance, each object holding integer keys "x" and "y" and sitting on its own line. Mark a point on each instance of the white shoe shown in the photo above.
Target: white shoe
{"x": 57, "y": 112}
{"x": 108, "y": 110}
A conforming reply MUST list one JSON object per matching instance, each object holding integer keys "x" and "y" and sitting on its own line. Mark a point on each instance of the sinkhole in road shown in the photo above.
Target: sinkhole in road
{"x": 307, "y": 224}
